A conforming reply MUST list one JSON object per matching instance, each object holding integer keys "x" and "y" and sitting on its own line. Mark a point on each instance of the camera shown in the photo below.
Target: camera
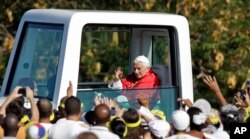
{"x": 112, "y": 111}
{"x": 22, "y": 91}
{"x": 242, "y": 93}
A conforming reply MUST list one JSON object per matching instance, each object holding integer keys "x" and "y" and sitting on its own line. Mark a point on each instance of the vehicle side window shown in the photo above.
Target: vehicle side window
{"x": 103, "y": 48}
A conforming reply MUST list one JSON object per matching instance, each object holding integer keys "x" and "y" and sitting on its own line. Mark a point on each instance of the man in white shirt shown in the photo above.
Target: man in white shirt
{"x": 45, "y": 111}
{"x": 71, "y": 126}
{"x": 102, "y": 116}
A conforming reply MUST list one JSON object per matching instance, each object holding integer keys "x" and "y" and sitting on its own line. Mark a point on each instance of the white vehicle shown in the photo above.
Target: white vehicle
{"x": 53, "y": 47}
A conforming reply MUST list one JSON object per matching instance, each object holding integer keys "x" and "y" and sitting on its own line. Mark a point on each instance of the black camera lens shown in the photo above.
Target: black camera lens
{"x": 22, "y": 91}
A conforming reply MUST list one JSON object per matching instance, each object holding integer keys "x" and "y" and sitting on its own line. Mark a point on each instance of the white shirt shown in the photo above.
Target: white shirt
{"x": 103, "y": 132}
{"x": 8, "y": 137}
{"x": 115, "y": 85}
{"x": 182, "y": 136}
{"x": 46, "y": 126}
{"x": 147, "y": 112}
{"x": 67, "y": 129}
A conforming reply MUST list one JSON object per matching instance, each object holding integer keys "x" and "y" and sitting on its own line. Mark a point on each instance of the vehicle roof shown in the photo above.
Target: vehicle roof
{"x": 64, "y": 15}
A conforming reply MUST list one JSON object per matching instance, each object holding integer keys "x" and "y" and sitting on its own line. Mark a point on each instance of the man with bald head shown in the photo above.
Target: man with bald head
{"x": 102, "y": 116}
{"x": 10, "y": 126}
{"x": 71, "y": 126}
{"x": 45, "y": 111}
{"x": 87, "y": 135}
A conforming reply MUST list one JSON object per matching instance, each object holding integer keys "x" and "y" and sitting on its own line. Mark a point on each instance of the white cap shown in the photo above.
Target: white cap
{"x": 143, "y": 59}
{"x": 159, "y": 128}
{"x": 204, "y": 105}
{"x": 180, "y": 120}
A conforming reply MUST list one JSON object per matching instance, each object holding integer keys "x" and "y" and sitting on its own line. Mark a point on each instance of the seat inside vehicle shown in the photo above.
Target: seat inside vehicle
{"x": 162, "y": 73}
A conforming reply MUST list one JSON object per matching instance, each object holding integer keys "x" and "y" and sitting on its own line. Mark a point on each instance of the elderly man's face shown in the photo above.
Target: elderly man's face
{"x": 140, "y": 70}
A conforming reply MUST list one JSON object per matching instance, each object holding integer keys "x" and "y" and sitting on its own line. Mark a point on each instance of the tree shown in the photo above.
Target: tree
{"x": 219, "y": 33}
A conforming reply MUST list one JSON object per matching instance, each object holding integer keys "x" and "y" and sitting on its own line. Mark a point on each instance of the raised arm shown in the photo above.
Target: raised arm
{"x": 13, "y": 95}
{"x": 211, "y": 82}
{"x": 116, "y": 84}
{"x": 34, "y": 109}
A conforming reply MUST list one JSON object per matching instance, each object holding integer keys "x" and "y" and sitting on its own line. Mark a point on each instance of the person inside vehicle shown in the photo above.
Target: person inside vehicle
{"x": 142, "y": 76}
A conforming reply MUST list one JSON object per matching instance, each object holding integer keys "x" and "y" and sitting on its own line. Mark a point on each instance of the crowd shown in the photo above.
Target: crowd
{"x": 107, "y": 120}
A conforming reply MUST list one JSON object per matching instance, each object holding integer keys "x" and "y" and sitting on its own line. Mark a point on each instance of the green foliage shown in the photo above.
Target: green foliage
{"x": 219, "y": 33}
{"x": 220, "y": 44}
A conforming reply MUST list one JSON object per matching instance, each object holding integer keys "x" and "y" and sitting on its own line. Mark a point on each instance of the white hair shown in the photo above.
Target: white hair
{"x": 144, "y": 60}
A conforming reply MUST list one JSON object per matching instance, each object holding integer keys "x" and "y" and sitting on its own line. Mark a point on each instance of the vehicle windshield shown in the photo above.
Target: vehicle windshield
{"x": 37, "y": 58}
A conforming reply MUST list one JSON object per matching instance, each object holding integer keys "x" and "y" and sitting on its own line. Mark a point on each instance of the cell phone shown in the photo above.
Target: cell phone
{"x": 112, "y": 111}
{"x": 22, "y": 91}
{"x": 242, "y": 93}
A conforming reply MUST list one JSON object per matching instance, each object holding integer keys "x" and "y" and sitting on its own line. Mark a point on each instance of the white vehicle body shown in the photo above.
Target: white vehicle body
{"x": 73, "y": 22}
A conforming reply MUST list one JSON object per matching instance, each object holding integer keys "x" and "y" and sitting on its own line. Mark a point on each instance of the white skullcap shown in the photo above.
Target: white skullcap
{"x": 180, "y": 120}
{"x": 221, "y": 135}
{"x": 143, "y": 59}
{"x": 159, "y": 128}
{"x": 203, "y": 105}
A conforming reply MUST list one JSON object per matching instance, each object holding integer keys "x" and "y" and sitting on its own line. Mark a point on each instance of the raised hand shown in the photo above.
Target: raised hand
{"x": 143, "y": 100}
{"x": 14, "y": 94}
{"x": 29, "y": 93}
{"x": 70, "y": 89}
{"x": 97, "y": 100}
{"x": 242, "y": 100}
{"x": 118, "y": 73}
{"x": 211, "y": 82}
{"x": 186, "y": 102}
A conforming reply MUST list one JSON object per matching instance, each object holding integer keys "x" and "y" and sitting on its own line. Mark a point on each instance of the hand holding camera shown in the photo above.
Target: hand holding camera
{"x": 242, "y": 94}
{"x": 26, "y": 92}
{"x": 242, "y": 98}
{"x": 15, "y": 93}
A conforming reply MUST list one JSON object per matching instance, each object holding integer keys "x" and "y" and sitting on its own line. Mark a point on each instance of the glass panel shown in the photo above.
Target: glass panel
{"x": 163, "y": 99}
{"x": 38, "y": 59}
{"x": 103, "y": 49}
{"x": 160, "y": 50}
{"x": 161, "y": 58}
